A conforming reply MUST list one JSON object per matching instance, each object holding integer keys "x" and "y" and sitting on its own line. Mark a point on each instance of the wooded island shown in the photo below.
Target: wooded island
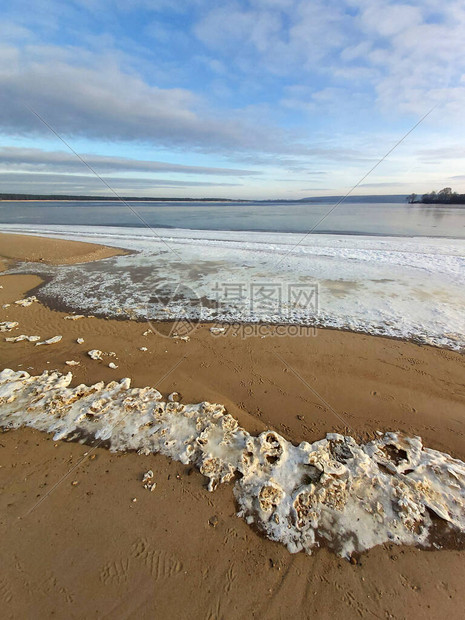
{"x": 444, "y": 196}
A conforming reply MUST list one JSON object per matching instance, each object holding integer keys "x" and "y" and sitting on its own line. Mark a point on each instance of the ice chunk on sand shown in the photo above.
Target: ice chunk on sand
{"x": 7, "y": 326}
{"x": 147, "y": 476}
{"x": 183, "y": 338}
{"x": 23, "y": 337}
{"x": 26, "y": 302}
{"x": 50, "y": 341}
{"x": 217, "y": 330}
{"x": 347, "y": 495}
{"x": 95, "y": 354}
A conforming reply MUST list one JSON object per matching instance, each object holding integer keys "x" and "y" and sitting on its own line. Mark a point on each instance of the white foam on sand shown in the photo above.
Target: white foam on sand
{"x": 350, "y": 496}
{"x": 409, "y": 288}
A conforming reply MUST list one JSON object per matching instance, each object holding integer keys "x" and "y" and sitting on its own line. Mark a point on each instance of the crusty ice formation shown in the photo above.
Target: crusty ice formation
{"x": 52, "y": 340}
{"x": 335, "y": 491}
{"x": 22, "y": 337}
{"x": 28, "y": 301}
{"x": 7, "y": 326}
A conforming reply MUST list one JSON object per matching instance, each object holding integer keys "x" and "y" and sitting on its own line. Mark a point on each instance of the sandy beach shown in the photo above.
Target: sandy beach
{"x": 76, "y": 544}
{"x": 53, "y": 252}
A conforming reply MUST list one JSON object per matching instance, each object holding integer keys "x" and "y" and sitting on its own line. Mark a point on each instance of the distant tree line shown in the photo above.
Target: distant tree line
{"x": 444, "y": 196}
{"x": 5, "y": 196}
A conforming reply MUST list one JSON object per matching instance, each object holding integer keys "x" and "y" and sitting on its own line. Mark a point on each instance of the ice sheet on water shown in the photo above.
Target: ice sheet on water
{"x": 402, "y": 287}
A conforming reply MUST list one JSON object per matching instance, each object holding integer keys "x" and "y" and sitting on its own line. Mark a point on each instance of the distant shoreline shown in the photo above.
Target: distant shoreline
{"x": 116, "y": 199}
{"x": 378, "y": 198}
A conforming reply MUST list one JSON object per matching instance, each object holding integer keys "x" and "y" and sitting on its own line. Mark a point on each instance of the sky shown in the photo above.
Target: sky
{"x": 253, "y": 99}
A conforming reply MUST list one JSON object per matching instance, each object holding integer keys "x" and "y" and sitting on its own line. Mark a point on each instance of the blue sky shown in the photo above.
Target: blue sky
{"x": 240, "y": 99}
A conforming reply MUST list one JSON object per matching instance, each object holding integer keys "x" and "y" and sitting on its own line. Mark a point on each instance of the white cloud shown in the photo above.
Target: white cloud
{"x": 84, "y": 93}
{"x": 449, "y": 151}
{"x": 19, "y": 182}
{"x": 417, "y": 52}
{"x": 17, "y": 158}
{"x": 408, "y": 54}
{"x": 280, "y": 34}
{"x": 388, "y": 19}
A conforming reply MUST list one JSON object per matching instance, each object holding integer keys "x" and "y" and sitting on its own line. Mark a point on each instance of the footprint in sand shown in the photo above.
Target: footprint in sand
{"x": 159, "y": 563}
{"x": 115, "y": 572}
{"x": 230, "y": 579}
{"x": 6, "y": 594}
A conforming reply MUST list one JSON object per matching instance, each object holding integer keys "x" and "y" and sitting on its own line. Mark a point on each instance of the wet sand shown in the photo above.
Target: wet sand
{"x": 88, "y": 550}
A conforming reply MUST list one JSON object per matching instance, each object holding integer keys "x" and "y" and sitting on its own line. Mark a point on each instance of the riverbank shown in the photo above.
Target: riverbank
{"x": 89, "y": 546}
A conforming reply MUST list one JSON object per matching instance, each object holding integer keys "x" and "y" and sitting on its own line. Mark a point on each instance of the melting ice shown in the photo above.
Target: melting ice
{"x": 402, "y": 287}
{"x": 347, "y": 495}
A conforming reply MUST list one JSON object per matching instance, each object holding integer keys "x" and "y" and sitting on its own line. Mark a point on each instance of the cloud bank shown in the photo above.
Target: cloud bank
{"x": 33, "y": 159}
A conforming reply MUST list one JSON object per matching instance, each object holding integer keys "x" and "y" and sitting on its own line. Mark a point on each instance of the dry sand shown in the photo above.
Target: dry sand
{"x": 89, "y": 550}
{"x": 53, "y": 252}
